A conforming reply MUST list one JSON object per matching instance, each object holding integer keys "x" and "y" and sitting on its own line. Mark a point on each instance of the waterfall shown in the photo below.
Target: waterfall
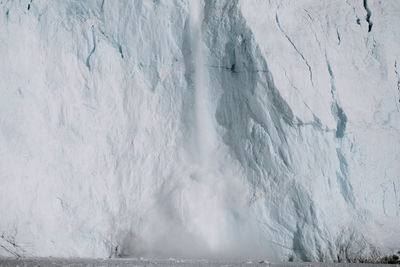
{"x": 204, "y": 128}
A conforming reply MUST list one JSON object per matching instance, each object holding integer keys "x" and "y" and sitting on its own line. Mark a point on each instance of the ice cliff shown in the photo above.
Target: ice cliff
{"x": 216, "y": 128}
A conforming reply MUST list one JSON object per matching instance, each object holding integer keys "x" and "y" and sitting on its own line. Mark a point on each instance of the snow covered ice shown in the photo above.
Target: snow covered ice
{"x": 241, "y": 129}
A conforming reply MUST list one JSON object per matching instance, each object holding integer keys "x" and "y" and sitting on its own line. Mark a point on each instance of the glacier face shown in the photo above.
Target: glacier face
{"x": 246, "y": 128}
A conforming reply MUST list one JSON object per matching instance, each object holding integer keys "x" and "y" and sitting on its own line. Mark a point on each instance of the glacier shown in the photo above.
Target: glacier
{"x": 246, "y": 129}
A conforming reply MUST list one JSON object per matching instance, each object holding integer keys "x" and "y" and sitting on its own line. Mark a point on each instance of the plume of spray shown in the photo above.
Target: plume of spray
{"x": 205, "y": 130}
{"x": 202, "y": 211}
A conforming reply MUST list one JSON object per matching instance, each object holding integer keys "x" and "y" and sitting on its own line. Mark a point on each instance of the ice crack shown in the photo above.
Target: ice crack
{"x": 29, "y": 5}
{"x": 398, "y": 81}
{"x": 337, "y": 110}
{"x": 102, "y": 7}
{"x": 295, "y": 48}
{"x": 368, "y": 16}
{"x": 10, "y": 246}
{"x": 93, "y": 49}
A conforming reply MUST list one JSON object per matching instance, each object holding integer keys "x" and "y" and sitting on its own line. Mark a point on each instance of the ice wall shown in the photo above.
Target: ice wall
{"x": 244, "y": 129}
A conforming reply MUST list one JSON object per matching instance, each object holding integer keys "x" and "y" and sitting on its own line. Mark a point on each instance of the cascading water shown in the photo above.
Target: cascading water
{"x": 199, "y": 190}
{"x": 205, "y": 132}
{"x": 216, "y": 188}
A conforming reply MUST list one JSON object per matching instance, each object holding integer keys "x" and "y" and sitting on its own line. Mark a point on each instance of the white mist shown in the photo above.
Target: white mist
{"x": 205, "y": 131}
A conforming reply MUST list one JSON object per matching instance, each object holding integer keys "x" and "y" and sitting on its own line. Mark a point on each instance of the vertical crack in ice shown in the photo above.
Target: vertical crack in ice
{"x": 29, "y": 5}
{"x": 337, "y": 110}
{"x": 295, "y": 48}
{"x": 332, "y": 79}
{"x": 338, "y": 36}
{"x": 341, "y": 119}
{"x": 397, "y": 199}
{"x": 368, "y": 16}
{"x": 398, "y": 84}
{"x": 102, "y": 6}
{"x": 120, "y": 50}
{"x": 355, "y": 12}
{"x": 93, "y": 49}
{"x": 345, "y": 187}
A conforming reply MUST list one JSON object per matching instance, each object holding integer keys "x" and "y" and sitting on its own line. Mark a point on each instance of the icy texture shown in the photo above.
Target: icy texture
{"x": 229, "y": 128}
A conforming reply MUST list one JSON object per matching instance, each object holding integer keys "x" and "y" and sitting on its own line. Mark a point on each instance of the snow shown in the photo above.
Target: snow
{"x": 200, "y": 129}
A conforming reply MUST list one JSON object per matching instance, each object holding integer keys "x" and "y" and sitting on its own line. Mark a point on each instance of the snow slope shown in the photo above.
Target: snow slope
{"x": 227, "y": 129}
